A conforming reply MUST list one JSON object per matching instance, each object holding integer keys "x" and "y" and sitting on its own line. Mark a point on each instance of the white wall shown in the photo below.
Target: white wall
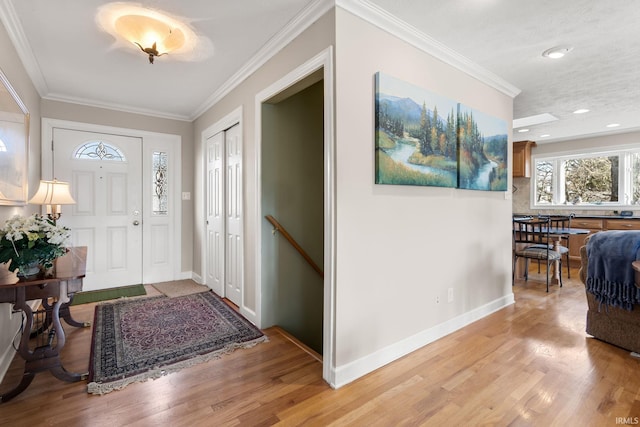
{"x": 401, "y": 247}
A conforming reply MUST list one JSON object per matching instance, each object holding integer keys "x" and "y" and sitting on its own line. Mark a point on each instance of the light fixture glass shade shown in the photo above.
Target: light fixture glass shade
{"x": 148, "y": 31}
{"x": 53, "y": 193}
{"x": 140, "y": 26}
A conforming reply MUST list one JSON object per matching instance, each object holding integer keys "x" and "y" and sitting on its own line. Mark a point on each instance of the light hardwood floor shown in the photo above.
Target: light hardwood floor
{"x": 528, "y": 364}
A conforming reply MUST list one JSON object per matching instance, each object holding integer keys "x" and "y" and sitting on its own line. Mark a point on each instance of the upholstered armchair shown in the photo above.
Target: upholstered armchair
{"x": 611, "y": 279}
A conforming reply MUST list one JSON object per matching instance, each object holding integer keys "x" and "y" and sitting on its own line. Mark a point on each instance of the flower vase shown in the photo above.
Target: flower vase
{"x": 29, "y": 271}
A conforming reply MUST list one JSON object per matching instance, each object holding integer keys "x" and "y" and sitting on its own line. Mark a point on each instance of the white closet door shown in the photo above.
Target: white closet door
{"x": 234, "y": 250}
{"x": 224, "y": 214}
{"x": 215, "y": 213}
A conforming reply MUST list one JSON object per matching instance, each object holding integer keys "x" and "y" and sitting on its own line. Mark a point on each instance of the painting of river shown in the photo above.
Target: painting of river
{"x": 483, "y": 145}
{"x": 416, "y": 142}
{"x": 423, "y": 138}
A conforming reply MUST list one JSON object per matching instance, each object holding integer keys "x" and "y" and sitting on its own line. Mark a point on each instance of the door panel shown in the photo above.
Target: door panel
{"x": 234, "y": 215}
{"x": 215, "y": 214}
{"x": 161, "y": 170}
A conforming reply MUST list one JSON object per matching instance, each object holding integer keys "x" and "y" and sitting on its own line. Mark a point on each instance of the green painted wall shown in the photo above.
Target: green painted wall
{"x": 292, "y": 192}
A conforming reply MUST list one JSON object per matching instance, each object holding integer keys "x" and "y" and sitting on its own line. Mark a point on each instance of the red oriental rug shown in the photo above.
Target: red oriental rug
{"x": 137, "y": 339}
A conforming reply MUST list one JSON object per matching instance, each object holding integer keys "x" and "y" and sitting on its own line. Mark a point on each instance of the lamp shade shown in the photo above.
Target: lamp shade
{"x": 53, "y": 193}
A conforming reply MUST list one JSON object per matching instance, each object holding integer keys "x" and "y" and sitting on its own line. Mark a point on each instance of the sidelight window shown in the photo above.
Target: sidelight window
{"x": 160, "y": 183}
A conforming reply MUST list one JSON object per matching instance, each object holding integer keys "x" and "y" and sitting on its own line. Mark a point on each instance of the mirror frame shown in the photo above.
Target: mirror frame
{"x": 23, "y": 162}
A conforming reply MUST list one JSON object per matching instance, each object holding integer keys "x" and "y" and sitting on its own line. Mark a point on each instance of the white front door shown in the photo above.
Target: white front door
{"x": 224, "y": 259}
{"x": 105, "y": 173}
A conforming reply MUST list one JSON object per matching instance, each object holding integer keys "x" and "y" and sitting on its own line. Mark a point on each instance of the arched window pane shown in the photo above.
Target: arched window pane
{"x": 99, "y": 150}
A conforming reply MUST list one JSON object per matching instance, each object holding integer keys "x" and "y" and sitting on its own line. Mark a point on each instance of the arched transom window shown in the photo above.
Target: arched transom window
{"x": 99, "y": 150}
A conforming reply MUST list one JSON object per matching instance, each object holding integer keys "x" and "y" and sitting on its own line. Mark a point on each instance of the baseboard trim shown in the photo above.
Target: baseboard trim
{"x": 9, "y": 352}
{"x": 345, "y": 374}
{"x": 5, "y": 361}
{"x": 193, "y": 276}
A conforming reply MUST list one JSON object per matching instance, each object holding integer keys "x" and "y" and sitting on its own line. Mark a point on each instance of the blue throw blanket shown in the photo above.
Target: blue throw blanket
{"x": 610, "y": 277}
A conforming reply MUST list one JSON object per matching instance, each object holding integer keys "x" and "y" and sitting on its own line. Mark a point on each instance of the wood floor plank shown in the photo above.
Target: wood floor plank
{"x": 529, "y": 364}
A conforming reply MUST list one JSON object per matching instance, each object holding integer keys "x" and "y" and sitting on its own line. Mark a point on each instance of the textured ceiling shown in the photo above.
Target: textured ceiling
{"x": 70, "y": 58}
{"x": 507, "y": 37}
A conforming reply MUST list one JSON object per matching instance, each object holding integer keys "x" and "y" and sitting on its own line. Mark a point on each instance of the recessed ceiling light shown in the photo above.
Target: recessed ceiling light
{"x": 581, "y": 111}
{"x": 557, "y": 52}
{"x": 523, "y": 130}
{"x": 545, "y": 135}
{"x": 613, "y": 125}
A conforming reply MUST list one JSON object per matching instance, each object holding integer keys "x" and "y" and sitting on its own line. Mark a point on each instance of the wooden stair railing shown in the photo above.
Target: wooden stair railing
{"x": 286, "y": 235}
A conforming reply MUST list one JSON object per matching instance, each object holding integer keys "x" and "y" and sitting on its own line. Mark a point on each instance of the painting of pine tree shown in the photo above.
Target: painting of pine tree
{"x": 483, "y": 151}
{"x": 415, "y": 135}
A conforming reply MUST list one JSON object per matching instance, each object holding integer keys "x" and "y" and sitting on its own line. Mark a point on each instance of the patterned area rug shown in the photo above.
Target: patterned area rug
{"x": 138, "y": 339}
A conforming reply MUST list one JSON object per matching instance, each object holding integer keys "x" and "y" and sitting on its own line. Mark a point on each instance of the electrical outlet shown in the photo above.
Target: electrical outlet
{"x": 437, "y": 299}
{"x": 450, "y": 295}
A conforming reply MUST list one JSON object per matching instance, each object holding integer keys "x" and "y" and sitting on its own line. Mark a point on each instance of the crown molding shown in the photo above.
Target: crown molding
{"x": 12, "y": 24}
{"x": 303, "y": 20}
{"x": 382, "y": 19}
{"x": 115, "y": 107}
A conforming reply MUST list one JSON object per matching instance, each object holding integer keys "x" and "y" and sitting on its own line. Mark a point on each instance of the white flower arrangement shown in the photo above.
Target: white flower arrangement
{"x": 32, "y": 240}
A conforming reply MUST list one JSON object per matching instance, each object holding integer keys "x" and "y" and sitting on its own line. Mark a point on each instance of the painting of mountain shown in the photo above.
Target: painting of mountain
{"x": 415, "y": 135}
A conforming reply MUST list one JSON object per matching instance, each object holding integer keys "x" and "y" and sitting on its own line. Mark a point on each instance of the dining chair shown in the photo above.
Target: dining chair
{"x": 531, "y": 240}
{"x": 560, "y": 222}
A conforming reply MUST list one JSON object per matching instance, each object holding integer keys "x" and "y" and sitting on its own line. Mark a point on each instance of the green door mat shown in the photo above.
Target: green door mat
{"x": 105, "y": 294}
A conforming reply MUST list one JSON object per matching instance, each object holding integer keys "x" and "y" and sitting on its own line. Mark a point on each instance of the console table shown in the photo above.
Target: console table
{"x": 69, "y": 270}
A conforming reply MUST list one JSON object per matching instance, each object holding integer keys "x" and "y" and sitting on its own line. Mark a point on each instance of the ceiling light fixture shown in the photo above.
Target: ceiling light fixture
{"x": 557, "y": 52}
{"x": 581, "y": 111}
{"x": 523, "y": 130}
{"x": 153, "y": 32}
{"x": 545, "y": 135}
{"x": 613, "y": 125}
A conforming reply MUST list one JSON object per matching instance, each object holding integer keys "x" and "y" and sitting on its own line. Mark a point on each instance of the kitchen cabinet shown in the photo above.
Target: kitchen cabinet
{"x": 594, "y": 225}
{"x": 522, "y": 159}
{"x": 576, "y": 241}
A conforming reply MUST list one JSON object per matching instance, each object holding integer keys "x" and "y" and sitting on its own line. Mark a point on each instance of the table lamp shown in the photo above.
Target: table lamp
{"x": 53, "y": 194}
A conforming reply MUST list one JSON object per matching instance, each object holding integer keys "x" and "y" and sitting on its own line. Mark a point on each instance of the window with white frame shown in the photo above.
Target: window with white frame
{"x": 587, "y": 179}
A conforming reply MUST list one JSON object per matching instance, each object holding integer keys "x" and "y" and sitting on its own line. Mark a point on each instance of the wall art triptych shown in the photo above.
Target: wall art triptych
{"x": 423, "y": 138}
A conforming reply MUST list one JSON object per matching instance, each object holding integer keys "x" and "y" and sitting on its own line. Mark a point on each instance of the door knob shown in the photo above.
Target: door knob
{"x": 136, "y": 222}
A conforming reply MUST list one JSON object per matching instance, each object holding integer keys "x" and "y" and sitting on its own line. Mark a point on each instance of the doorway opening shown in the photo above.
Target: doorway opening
{"x": 126, "y": 184}
{"x": 292, "y": 177}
